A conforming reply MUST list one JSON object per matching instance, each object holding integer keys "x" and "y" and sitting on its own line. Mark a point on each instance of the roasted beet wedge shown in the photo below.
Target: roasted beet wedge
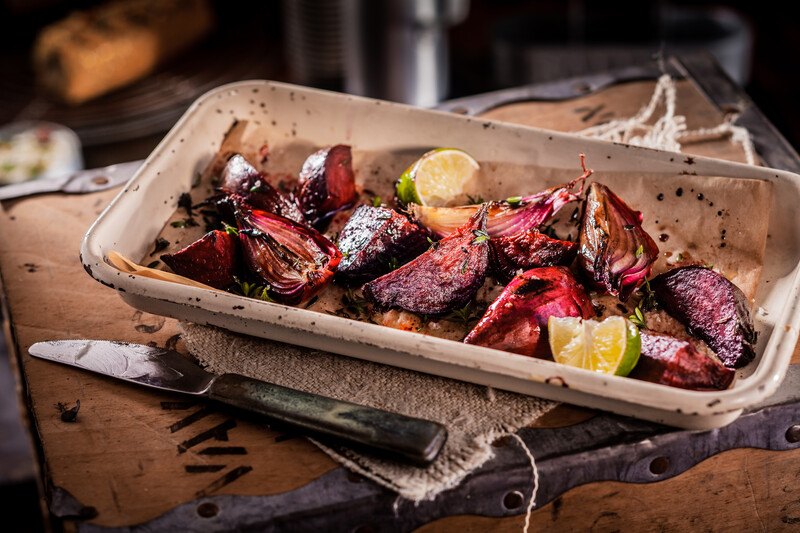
{"x": 712, "y": 308}
{"x": 241, "y": 178}
{"x": 212, "y": 260}
{"x": 526, "y": 250}
{"x": 444, "y": 278}
{"x": 678, "y": 363}
{"x": 517, "y": 320}
{"x": 615, "y": 253}
{"x": 506, "y": 218}
{"x": 374, "y": 241}
{"x": 295, "y": 261}
{"x": 326, "y": 185}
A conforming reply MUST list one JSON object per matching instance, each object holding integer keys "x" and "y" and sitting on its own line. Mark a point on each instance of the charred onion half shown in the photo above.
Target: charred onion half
{"x": 293, "y": 260}
{"x": 615, "y": 253}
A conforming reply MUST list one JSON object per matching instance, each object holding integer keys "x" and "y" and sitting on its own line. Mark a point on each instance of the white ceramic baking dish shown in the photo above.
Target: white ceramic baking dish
{"x": 136, "y": 216}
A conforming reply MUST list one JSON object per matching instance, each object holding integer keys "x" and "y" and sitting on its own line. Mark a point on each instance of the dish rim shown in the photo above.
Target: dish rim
{"x": 763, "y": 382}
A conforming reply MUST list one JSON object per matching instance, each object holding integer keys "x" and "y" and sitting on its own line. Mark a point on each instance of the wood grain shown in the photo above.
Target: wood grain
{"x": 122, "y": 456}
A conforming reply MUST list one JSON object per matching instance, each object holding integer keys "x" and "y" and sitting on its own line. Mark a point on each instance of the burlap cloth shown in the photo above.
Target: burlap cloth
{"x": 474, "y": 415}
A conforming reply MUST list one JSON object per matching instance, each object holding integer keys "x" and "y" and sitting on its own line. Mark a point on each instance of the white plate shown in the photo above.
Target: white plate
{"x": 136, "y": 216}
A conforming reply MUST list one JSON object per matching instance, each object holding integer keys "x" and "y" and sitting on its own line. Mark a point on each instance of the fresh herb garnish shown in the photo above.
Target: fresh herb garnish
{"x": 639, "y": 251}
{"x": 185, "y": 202}
{"x": 433, "y": 243}
{"x": 354, "y": 303}
{"x": 254, "y": 290}
{"x": 230, "y": 230}
{"x": 514, "y": 201}
{"x": 178, "y": 223}
{"x": 638, "y": 318}
{"x": 160, "y": 244}
{"x": 469, "y": 313}
{"x": 394, "y": 264}
{"x": 376, "y": 201}
{"x": 478, "y": 199}
{"x": 648, "y": 301}
{"x": 464, "y": 264}
{"x": 480, "y": 236}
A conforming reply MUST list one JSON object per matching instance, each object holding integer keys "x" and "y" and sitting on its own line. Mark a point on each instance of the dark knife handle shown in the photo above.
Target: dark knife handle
{"x": 416, "y": 440}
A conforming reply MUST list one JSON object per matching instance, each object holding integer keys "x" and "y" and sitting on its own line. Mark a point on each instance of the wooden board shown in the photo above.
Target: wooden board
{"x": 122, "y": 458}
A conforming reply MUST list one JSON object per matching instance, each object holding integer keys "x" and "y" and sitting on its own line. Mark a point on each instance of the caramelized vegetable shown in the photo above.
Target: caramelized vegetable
{"x": 517, "y": 320}
{"x": 616, "y": 254}
{"x": 241, "y": 178}
{"x": 375, "y": 241}
{"x": 444, "y": 278}
{"x": 506, "y": 218}
{"x": 678, "y": 363}
{"x": 293, "y": 260}
{"x": 526, "y": 250}
{"x": 326, "y": 185}
{"x": 211, "y": 260}
{"x": 712, "y": 308}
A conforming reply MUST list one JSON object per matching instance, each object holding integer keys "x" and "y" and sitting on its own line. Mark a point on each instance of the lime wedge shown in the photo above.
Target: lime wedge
{"x": 438, "y": 178}
{"x": 608, "y": 347}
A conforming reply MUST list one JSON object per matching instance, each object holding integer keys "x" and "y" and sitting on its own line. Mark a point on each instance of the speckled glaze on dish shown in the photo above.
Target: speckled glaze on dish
{"x": 135, "y": 217}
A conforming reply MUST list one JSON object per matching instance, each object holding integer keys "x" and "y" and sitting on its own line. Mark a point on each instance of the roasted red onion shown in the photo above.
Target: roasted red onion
{"x": 517, "y": 320}
{"x": 615, "y": 253}
{"x": 212, "y": 260}
{"x": 506, "y": 218}
{"x": 295, "y": 261}
{"x": 445, "y": 277}
{"x": 327, "y": 184}
{"x": 239, "y": 177}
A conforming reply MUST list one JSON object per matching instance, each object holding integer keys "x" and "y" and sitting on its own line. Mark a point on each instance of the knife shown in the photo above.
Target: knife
{"x": 80, "y": 182}
{"x": 412, "y": 439}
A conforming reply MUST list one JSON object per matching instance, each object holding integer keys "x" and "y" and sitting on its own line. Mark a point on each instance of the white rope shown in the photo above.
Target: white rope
{"x": 532, "y": 501}
{"x": 669, "y": 130}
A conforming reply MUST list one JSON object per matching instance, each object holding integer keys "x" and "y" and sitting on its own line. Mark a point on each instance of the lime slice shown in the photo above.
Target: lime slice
{"x": 608, "y": 347}
{"x": 438, "y": 178}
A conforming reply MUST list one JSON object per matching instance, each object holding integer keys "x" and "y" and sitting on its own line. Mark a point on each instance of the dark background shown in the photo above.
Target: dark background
{"x": 255, "y": 34}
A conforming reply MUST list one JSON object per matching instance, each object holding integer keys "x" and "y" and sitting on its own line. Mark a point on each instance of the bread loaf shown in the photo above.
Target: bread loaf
{"x": 93, "y": 52}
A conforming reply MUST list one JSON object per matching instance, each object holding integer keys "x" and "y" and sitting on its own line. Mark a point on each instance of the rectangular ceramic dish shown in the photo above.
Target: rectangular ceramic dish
{"x": 136, "y": 216}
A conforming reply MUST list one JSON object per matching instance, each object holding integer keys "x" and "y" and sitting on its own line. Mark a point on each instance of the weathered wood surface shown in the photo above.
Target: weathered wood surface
{"x": 122, "y": 458}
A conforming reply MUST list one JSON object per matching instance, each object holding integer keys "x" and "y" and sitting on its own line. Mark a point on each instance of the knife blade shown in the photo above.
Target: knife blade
{"x": 412, "y": 439}
{"x": 81, "y": 182}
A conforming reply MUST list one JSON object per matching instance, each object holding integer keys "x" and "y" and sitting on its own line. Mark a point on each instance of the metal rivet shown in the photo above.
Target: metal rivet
{"x": 793, "y": 433}
{"x": 659, "y": 465}
{"x": 513, "y": 500}
{"x": 100, "y": 180}
{"x": 207, "y": 510}
{"x": 583, "y": 88}
{"x": 460, "y": 110}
